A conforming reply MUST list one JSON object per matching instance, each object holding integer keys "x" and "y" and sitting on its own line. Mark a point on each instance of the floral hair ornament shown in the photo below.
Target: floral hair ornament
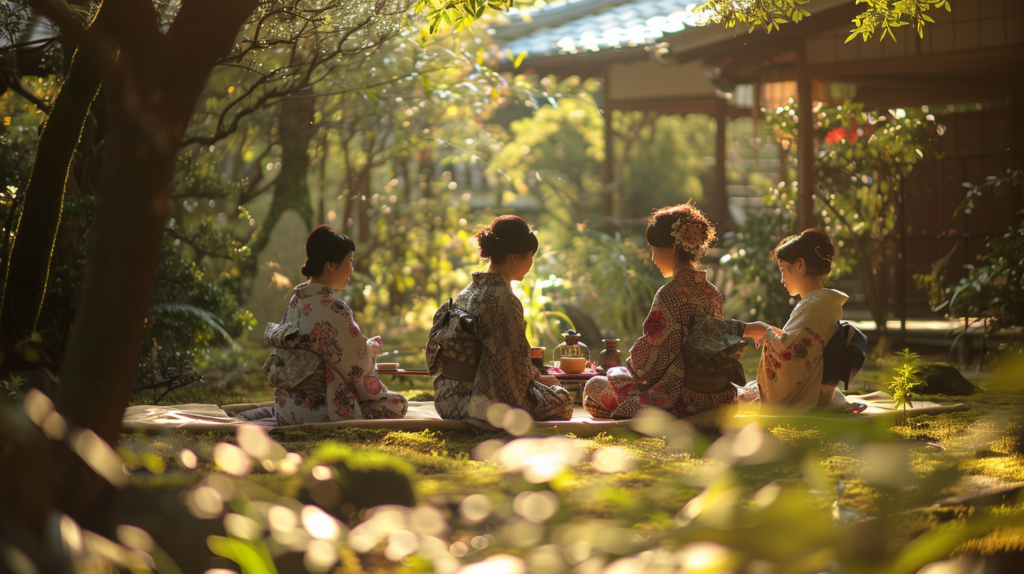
{"x": 691, "y": 236}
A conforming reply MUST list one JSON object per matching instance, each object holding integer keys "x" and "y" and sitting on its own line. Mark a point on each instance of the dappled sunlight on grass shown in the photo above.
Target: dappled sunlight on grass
{"x": 1009, "y": 468}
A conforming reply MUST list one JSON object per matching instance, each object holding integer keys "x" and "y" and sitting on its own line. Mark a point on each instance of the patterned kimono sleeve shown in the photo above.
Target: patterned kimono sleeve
{"x": 789, "y": 360}
{"x": 354, "y": 361}
{"x": 660, "y": 326}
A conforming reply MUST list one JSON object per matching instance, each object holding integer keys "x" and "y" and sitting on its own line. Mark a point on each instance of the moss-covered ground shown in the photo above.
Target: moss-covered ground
{"x": 985, "y": 443}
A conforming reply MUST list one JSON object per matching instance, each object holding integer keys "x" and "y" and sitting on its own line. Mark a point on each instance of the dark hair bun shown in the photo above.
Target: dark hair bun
{"x": 813, "y": 246}
{"x": 506, "y": 235}
{"x": 325, "y": 245}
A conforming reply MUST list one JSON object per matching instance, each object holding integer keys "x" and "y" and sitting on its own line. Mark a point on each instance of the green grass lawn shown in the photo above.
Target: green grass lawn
{"x": 656, "y": 478}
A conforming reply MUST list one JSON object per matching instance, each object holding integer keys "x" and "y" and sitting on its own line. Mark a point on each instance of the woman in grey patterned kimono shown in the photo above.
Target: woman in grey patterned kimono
{"x": 504, "y": 373}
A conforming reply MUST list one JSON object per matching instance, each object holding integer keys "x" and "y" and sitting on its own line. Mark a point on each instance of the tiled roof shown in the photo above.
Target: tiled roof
{"x": 610, "y": 24}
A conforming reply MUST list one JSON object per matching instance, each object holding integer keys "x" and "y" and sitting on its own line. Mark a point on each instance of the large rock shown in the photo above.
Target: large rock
{"x": 357, "y": 480}
{"x": 943, "y": 379}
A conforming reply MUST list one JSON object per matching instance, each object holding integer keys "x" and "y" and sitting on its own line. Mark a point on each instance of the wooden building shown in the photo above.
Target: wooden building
{"x": 968, "y": 68}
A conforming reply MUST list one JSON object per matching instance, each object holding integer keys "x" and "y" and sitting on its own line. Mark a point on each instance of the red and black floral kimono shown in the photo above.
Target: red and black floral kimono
{"x": 653, "y": 375}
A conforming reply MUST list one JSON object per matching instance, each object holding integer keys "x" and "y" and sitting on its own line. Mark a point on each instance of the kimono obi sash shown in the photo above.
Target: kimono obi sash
{"x": 843, "y": 355}
{"x": 712, "y": 352}
{"x": 288, "y": 366}
{"x": 453, "y": 349}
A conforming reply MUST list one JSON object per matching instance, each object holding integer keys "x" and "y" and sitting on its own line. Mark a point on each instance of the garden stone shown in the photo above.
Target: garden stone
{"x": 943, "y": 379}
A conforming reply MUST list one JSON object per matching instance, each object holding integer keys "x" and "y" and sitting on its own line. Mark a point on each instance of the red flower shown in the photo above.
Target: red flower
{"x": 625, "y": 390}
{"x": 655, "y": 324}
{"x": 835, "y": 136}
{"x": 806, "y": 342}
{"x": 786, "y": 355}
{"x": 683, "y": 294}
{"x": 372, "y": 385}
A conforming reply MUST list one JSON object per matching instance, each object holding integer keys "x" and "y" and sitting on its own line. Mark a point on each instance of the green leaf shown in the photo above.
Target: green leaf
{"x": 519, "y": 59}
{"x": 209, "y": 318}
{"x": 252, "y": 557}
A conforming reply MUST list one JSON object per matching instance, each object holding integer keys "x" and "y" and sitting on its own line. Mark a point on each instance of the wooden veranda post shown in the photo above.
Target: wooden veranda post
{"x": 720, "y": 197}
{"x": 608, "y": 169}
{"x": 805, "y": 145}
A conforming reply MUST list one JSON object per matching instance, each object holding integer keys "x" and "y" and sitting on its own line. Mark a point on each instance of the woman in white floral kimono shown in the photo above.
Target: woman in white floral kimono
{"x": 493, "y": 365}
{"x": 656, "y": 373}
{"x": 323, "y": 368}
{"x": 789, "y": 376}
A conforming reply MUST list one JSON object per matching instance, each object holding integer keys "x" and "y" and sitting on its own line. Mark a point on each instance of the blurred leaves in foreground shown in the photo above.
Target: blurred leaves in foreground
{"x": 762, "y": 504}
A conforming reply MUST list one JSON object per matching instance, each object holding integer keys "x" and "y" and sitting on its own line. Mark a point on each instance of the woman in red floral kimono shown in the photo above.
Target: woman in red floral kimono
{"x": 653, "y": 375}
{"x": 322, "y": 367}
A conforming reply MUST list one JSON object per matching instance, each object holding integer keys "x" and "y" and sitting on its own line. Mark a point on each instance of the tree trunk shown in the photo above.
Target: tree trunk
{"x": 426, "y": 165}
{"x": 152, "y": 91}
{"x": 364, "y": 187}
{"x": 402, "y": 169}
{"x": 321, "y": 209}
{"x": 28, "y": 268}
{"x": 291, "y": 188}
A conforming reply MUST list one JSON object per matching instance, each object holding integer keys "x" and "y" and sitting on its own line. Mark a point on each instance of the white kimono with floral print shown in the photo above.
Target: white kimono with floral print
{"x": 789, "y": 375}
{"x": 323, "y": 368}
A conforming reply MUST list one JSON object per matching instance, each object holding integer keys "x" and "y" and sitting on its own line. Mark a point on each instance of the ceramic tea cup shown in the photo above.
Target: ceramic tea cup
{"x": 572, "y": 365}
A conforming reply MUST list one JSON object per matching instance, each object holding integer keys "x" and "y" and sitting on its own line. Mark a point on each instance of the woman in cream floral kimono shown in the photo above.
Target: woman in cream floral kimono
{"x": 494, "y": 366}
{"x": 655, "y": 372}
{"x": 789, "y": 376}
{"x": 322, "y": 367}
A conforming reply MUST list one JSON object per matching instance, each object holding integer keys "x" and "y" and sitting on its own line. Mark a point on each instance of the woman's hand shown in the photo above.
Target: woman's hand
{"x": 375, "y": 345}
{"x": 759, "y": 330}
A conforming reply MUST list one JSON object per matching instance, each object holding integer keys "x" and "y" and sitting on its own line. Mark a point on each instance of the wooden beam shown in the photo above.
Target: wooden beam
{"x": 719, "y": 200}
{"x": 805, "y": 146}
{"x": 582, "y": 64}
{"x": 755, "y": 114}
{"x": 760, "y": 42}
{"x": 981, "y": 61}
{"x": 608, "y": 171}
{"x": 677, "y": 105}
